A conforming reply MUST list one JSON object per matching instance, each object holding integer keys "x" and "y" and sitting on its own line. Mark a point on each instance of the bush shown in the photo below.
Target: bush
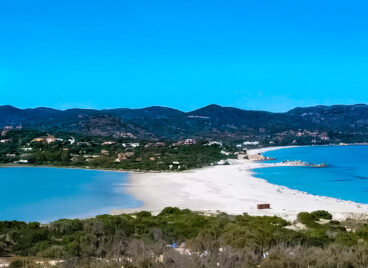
{"x": 143, "y": 214}
{"x": 310, "y": 219}
{"x": 363, "y": 232}
{"x": 321, "y": 214}
{"x": 65, "y": 227}
{"x": 305, "y": 218}
{"x": 243, "y": 239}
{"x": 170, "y": 211}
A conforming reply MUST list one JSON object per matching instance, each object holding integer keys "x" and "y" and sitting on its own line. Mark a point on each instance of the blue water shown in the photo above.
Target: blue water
{"x": 46, "y": 194}
{"x": 345, "y": 177}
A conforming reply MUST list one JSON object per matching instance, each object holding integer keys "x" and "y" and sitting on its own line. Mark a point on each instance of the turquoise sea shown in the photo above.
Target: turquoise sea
{"x": 345, "y": 177}
{"x": 46, "y": 194}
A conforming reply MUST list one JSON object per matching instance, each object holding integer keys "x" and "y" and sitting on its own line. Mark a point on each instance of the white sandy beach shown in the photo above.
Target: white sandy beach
{"x": 231, "y": 189}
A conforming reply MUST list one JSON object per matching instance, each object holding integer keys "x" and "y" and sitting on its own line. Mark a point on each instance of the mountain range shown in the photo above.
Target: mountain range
{"x": 317, "y": 124}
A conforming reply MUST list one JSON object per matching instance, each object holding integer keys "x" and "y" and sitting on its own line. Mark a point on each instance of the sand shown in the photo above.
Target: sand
{"x": 231, "y": 189}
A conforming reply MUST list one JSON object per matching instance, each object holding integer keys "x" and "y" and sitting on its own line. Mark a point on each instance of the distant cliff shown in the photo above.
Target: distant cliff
{"x": 311, "y": 125}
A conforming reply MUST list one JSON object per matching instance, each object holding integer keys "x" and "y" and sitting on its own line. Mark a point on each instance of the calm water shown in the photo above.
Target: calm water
{"x": 46, "y": 194}
{"x": 346, "y": 176}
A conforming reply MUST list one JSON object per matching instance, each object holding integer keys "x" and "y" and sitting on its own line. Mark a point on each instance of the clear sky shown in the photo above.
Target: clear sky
{"x": 253, "y": 54}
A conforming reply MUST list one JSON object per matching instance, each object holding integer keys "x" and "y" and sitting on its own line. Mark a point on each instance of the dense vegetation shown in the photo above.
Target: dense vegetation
{"x": 32, "y": 147}
{"x": 141, "y": 240}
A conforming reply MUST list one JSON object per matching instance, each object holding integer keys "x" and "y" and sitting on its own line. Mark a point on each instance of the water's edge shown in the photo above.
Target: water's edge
{"x": 345, "y": 177}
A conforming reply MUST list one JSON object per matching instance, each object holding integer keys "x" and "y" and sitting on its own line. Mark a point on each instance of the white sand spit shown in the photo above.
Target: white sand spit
{"x": 231, "y": 189}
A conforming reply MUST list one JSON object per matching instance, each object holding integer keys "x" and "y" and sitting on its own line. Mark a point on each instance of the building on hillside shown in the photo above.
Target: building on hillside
{"x": 160, "y": 144}
{"x": 127, "y": 135}
{"x": 71, "y": 140}
{"x": 254, "y": 143}
{"x": 215, "y": 143}
{"x": 50, "y": 139}
{"x": 39, "y": 139}
{"x": 108, "y": 143}
{"x": 324, "y": 137}
{"x": 105, "y": 152}
{"x": 121, "y": 157}
{"x": 124, "y": 156}
{"x": 157, "y": 144}
{"x": 130, "y": 145}
{"x": 189, "y": 142}
{"x": 178, "y": 143}
{"x": 148, "y": 145}
{"x": 129, "y": 154}
{"x": 83, "y": 143}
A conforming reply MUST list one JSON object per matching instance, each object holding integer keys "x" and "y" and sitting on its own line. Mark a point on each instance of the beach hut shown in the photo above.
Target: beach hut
{"x": 263, "y": 206}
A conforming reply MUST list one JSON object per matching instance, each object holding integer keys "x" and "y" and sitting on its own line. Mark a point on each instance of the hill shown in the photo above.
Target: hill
{"x": 318, "y": 124}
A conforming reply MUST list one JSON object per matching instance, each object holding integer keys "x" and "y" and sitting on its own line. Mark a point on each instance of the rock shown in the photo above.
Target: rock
{"x": 258, "y": 157}
{"x": 299, "y": 163}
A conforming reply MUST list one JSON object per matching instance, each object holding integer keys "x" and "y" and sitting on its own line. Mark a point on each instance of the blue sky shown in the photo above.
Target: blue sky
{"x": 267, "y": 55}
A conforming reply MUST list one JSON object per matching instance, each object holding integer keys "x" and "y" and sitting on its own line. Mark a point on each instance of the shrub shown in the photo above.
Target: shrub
{"x": 310, "y": 219}
{"x": 305, "y": 218}
{"x": 143, "y": 214}
{"x": 66, "y": 226}
{"x": 321, "y": 214}
{"x": 170, "y": 211}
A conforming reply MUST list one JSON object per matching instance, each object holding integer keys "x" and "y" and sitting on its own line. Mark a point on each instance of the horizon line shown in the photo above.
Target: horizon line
{"x": 168, "y": 107}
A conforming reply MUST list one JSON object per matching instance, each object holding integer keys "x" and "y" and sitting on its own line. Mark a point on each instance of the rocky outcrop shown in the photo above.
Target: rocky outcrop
{"x": 258, "y": 157}
{"x": 298, "y": 163}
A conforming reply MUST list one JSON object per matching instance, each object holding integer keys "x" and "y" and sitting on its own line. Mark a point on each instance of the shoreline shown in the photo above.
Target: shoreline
{"x": 77, "y": 168}
{"x": 232, "y": 189}
{"x": 252, "y": 151}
